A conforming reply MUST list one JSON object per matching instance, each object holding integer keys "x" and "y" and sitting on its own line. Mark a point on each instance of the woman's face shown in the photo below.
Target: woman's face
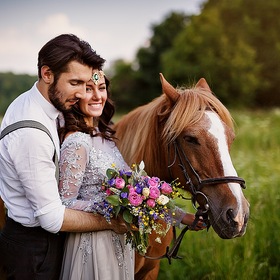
{"x": 96, "y": 95}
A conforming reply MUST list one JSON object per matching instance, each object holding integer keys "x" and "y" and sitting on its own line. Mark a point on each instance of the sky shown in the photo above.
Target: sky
{"x": 116, "y": 29}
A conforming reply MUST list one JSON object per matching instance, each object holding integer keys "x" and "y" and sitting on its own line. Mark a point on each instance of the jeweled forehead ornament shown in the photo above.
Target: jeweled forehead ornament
{"x": 96, "y": 76}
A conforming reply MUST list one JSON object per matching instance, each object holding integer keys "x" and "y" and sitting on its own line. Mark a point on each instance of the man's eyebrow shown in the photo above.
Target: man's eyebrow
{"x": 79, "y": 81}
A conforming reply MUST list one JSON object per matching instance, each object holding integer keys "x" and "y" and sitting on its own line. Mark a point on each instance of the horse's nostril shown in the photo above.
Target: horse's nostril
{"x": 230, "y": 216}
{"x": 246, "y": 218}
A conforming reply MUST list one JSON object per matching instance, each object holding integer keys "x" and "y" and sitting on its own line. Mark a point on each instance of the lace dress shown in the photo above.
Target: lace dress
{"x": 100, "y": 255}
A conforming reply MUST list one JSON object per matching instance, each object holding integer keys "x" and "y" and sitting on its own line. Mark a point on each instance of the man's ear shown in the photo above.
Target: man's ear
{"x": 47, "y": 74}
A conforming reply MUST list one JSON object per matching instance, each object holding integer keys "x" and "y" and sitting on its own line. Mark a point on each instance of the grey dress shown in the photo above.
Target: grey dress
{"x": 100, "y": 255}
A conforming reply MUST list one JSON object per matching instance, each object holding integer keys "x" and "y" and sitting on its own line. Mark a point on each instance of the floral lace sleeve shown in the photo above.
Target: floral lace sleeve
{"x": 178, "y": 217}
{"x": 73, "y": 161}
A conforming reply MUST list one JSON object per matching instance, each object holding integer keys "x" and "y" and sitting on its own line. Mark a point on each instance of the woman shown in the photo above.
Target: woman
{"x": 87, "y": 151}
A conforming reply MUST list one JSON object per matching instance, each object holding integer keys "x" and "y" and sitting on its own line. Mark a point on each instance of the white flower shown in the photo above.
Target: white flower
{"x": 142, "y": 165}
{"x": 146, "y": 192}
{"x": 158, "y": 240}
{"x": 162, "y": 199}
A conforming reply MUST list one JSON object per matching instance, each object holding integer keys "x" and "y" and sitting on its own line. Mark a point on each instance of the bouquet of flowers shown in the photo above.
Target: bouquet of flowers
{"x": 142, "y": 201}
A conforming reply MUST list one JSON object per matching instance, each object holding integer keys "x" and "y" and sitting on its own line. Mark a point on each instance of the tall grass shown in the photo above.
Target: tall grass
{"x": 256, "y": 255}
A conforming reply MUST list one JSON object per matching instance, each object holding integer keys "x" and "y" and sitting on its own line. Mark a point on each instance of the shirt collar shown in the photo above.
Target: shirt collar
{"x": 47, "y": 107}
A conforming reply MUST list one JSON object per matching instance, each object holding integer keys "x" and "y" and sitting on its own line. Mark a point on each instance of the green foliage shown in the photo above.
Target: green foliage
{"x": 11, "y": 86}
{"x": 138, "y": 83}
{"x": 255, "y": 153}
{"x": 206, "y": 49}
{"x": 234, "y": 44}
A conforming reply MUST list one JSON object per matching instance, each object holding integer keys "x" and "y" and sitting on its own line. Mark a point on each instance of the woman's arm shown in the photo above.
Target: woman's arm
{"x": 73, "y": 162}
{"x": 77, "y": 216}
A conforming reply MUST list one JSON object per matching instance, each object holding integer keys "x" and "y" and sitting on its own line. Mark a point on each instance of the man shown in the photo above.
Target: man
{"x": 31, "y": 242}
{"x": 2, "y": 214}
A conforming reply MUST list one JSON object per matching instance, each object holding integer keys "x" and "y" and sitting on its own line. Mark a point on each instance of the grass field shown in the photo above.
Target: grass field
{"x": 256, "y": 255}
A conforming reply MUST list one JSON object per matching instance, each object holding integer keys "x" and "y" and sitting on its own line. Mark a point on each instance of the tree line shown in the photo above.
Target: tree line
{"x": 234, "y": 44}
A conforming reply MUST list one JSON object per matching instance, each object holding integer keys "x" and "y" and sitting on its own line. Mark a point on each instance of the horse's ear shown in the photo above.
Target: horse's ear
{"x": 168, "y": 89}
{"x": 203, "y": 84}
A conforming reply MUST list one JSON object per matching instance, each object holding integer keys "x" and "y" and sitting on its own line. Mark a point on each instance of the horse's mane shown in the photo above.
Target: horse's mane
{"x": 189, "y": 109}
{"x": 141, "y": 130}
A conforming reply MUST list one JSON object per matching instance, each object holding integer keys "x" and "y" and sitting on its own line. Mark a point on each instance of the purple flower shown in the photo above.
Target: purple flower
{"x": 138, "y": 188}
{"x": 111, "y": 182}
{"x": 128, "y": 173}
{"x": 124, "y": 195}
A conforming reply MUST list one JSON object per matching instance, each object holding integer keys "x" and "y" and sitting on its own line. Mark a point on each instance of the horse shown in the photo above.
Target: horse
{"x": 186, "y": 133}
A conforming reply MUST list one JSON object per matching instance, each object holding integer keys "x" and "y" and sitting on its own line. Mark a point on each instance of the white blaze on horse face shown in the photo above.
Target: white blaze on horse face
{"x": 218, "y": 131}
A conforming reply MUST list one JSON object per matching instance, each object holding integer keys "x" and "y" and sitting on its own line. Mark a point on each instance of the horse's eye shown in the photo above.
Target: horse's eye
{"x": 191, "y": 139}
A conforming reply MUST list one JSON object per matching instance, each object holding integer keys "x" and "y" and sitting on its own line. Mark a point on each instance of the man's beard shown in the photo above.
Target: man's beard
{"x": 55, "y": 98}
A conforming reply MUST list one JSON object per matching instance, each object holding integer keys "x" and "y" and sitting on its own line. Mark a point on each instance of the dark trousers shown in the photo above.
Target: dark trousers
{"x": 30, "y": 253}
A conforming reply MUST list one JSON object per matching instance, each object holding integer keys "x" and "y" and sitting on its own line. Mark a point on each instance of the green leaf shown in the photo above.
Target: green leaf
{"x": 113, "y": 199}
{"x": 117, "y": 210}
{"x": 127, "y": 216}
{"x": 171, "y": 204}
{"x": 111, "y": 173}
{"x": 125, "y": 202}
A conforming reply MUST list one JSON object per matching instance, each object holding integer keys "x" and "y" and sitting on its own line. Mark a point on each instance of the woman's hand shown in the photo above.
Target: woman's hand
{"x": 118, "y": 225}
{"x": 189, "y": 218}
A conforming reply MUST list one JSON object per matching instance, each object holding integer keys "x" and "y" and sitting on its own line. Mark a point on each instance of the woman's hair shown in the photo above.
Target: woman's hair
{"x": 74, "y": 120}
{"x": 63, "y": 49}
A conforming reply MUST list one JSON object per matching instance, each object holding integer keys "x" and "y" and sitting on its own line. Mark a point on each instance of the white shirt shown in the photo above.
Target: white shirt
{"x": 27, "y": 172}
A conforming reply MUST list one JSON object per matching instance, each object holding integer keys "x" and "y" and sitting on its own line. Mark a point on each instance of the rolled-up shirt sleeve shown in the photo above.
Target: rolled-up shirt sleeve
{"x": 36, "y": 172}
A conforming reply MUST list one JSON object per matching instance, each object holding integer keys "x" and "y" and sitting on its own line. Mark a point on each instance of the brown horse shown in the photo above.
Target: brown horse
{"x": 186, "y": 133}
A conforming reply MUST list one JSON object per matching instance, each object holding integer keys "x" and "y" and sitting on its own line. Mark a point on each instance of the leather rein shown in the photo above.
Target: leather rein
{"x": 195, "y": 190}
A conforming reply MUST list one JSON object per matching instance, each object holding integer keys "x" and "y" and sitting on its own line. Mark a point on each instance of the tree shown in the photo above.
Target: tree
{"x": 11, "y": 86}
{"x": 206, "y": 49}
{"x": 257, "y": 24}
{"x": 149, "y": 59}
{"x": 137, "y": 83}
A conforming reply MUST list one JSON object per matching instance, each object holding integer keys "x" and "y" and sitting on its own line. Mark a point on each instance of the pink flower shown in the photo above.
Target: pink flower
{"x": 131, "y": 189}
{"x": 154, "y": 192}
{"x": 153, "y": 182}
{"x": 108, "y": 192}
{"x": 134, "y": 198}
{"x": 151, "y": 203}
{"x": 166, "y": 188}
{"x": 120, "y": 183}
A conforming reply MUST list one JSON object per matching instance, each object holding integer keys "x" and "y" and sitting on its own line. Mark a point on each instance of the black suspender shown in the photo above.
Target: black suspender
{"x": 32, "y": 124}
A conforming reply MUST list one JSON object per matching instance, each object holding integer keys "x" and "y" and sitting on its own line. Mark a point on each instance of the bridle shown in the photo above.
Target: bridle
{"x": 195, "y": 187}
{"x": 195, "y": 190}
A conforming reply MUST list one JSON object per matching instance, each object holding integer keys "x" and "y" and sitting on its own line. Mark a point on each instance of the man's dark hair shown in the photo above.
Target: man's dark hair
{"x": 58, "y": 52}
